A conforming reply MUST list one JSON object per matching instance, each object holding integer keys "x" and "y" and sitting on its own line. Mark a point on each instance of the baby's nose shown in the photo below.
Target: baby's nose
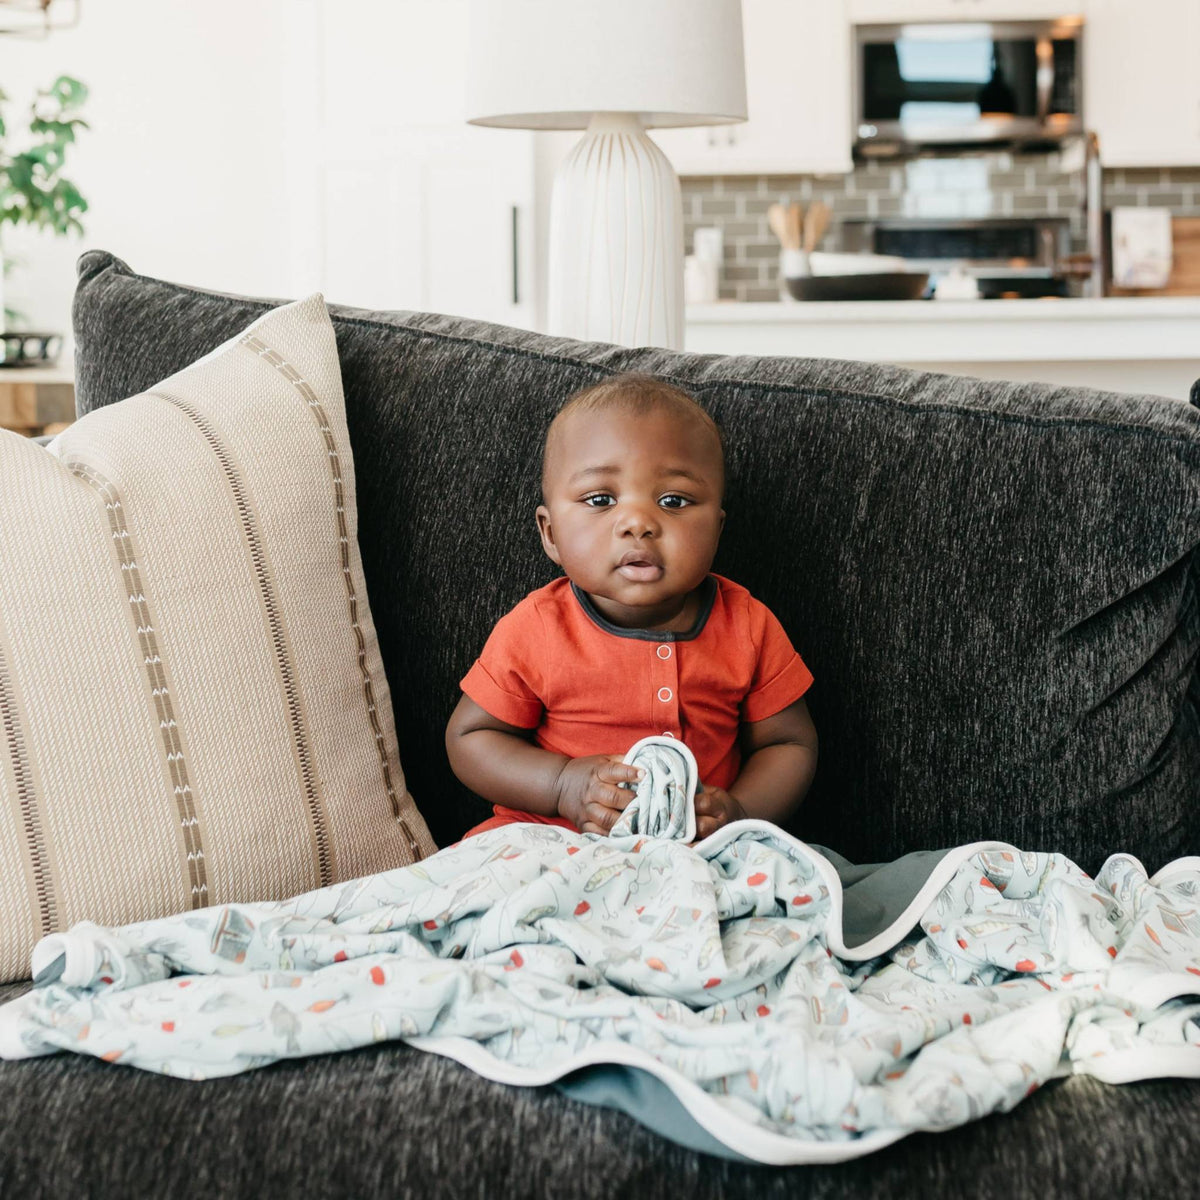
{"x": 639, "y": 520}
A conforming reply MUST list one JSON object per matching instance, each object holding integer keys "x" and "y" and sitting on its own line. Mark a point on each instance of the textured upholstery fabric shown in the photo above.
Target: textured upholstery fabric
{"x": 994, "y": 584}
{"x": 394, "y": 1122}
{"x": 185, "y": 717}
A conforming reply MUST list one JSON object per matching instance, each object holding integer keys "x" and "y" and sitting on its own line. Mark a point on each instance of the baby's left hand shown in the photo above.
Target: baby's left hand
{"x": 715, "y": 807}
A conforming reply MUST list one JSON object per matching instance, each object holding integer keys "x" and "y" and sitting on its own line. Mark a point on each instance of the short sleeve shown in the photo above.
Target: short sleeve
{"x": 780, "y": 676}
{"x": 507, "y": 679}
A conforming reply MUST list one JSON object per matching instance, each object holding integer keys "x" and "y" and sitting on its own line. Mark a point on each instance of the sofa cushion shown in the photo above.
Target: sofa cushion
{"x": 393, "y": 1121}
{"x": 192, "y": 703}
{"x": 994, "y": 583}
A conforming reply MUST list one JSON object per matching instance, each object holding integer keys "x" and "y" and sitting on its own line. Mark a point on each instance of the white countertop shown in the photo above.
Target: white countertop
{"x": 955, "y": 331}
{"x": 910, "y": 310}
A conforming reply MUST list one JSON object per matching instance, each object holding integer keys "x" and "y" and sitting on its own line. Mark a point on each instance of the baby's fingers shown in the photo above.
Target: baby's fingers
{"x": 608, "y": 796}
{"x": 616, "y": 771}
{"x": 598, "y": 818}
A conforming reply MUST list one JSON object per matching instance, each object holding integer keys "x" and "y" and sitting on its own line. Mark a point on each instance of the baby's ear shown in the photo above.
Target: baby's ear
{"x": 546, "y": 532}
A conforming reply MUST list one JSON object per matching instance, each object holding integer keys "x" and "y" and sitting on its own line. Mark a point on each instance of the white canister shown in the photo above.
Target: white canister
{"x": 793, "y": 264}
{"x": 701, "y": 280}
{"x": 708, "y": 244}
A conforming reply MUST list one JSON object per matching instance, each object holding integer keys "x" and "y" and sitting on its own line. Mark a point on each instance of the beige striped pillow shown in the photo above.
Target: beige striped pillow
{"x": 193, "y": 708}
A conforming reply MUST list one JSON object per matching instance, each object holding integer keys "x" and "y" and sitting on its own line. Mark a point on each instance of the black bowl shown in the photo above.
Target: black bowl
{"x": 20, "y": 348}
{"x": 883, "y": 285}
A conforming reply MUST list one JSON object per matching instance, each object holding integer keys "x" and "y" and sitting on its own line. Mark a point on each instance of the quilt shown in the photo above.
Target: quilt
{"x": 797, "y": 1008}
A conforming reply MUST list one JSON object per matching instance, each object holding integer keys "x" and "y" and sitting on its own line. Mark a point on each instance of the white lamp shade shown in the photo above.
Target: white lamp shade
{"x": 551, "y": 64}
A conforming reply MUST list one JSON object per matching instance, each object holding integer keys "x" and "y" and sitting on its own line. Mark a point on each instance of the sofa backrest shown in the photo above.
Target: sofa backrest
{"x": 994, "y": 584}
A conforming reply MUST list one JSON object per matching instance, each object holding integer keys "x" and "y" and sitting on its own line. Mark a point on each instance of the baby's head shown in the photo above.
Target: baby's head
{"x": 633, "y": 474}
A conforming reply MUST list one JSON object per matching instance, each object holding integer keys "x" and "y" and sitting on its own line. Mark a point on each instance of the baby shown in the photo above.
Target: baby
{"x": 638, "y": 639}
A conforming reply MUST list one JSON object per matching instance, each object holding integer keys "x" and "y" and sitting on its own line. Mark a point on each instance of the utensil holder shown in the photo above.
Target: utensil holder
{"x": 793, "y": 264}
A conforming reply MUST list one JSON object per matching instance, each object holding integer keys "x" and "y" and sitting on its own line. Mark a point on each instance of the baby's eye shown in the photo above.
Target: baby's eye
{"x": 598, "y": 500}
{"x": 674, "y": 500}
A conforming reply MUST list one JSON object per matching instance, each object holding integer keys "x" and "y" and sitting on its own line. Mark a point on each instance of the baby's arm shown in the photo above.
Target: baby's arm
{"x": 499, "y": 762}
{"x": 779, "y": 759}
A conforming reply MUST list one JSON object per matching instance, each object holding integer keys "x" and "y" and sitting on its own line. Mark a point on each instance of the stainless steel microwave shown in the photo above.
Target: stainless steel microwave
{"x": 966, "y": 83}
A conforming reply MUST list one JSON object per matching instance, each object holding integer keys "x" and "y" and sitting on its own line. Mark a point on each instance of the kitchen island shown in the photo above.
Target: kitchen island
{"x": 1123, "y": 344}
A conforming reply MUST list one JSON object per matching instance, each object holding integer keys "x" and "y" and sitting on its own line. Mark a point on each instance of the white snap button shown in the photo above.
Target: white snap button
{"x": 667, "y": 733}
{"x": 664, "y": 652}
{"x": 664, "y": 694}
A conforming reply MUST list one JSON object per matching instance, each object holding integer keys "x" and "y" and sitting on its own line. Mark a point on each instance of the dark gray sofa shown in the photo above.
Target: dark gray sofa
{"x": 995, "y": 587}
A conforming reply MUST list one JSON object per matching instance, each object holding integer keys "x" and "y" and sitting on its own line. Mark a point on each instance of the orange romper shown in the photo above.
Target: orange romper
{"x": 555, "y": 665}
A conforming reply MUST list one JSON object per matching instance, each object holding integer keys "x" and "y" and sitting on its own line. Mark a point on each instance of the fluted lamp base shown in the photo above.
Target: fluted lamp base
{"x": 616, "y": 239}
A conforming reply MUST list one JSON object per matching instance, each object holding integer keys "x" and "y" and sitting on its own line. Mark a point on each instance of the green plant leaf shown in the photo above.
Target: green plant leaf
{"x": 70, "y": 196}
{"x": 20, "y": 173}
{"x": 32, "y": 190}
{"x": 59, "y": 131}
{"x": 49, "y": 157}
{"x": 70, "y": 92}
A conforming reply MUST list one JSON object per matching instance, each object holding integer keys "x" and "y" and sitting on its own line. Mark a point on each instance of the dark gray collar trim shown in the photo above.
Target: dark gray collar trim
{"x": 708, "y": 594}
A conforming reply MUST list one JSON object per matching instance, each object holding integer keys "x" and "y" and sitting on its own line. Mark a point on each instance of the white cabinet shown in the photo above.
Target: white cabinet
{"x": 397, "y": 203}
{"x": 1142, "y": 81}
{"x": 889, "y": 12}
{"x": 798, "y": 97}
{"x": 437, "y": 222}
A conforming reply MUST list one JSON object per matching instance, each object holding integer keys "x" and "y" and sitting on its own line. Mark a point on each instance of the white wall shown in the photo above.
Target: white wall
{"x": 184, "y": 164}
{"x": 211, "y": 123}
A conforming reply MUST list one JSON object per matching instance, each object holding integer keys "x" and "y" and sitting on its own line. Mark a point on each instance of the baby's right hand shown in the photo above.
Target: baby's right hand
{"x": 588, "y": 795}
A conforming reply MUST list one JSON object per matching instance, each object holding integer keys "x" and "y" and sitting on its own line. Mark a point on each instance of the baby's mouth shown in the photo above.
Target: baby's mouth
{"x": 640, "y": 567}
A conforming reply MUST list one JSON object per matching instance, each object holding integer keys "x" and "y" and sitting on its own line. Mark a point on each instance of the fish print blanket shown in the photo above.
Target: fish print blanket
{"x": 723, "y": 969}
{"x": 664, "y": 799}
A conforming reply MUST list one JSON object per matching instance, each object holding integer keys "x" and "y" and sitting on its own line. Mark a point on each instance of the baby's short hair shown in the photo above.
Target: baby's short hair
{"x": 636, "y": 392}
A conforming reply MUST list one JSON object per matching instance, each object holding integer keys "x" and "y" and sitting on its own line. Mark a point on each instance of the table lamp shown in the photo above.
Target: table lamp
{"x": 614, "y": 68}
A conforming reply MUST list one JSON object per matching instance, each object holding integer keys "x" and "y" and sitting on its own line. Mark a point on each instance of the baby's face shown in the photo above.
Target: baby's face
{"x": 633, "y": 508}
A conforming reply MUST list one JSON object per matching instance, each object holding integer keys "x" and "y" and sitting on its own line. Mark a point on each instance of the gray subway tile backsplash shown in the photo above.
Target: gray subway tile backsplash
{"x": 718, "y": 206}
{"x": 1166, "y": 197}
{"x": 742, "y": 274}
{"x": 754, "y": 251}
{"x": 756, "y": 206}
{"x": 1030, "y": 204}
{"x": 1001, "y": 184}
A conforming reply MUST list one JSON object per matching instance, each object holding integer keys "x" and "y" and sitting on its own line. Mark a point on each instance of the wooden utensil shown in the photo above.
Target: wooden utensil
{"x": 816, "y": 222}
{"x": 777, "y": 220}
{"x": 795, "y": 222}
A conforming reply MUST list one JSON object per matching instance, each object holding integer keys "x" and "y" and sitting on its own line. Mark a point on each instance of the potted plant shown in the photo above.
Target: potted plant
{"x": 33, "y": 190}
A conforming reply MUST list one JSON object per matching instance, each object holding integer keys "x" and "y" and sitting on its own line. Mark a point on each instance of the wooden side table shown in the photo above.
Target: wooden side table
{"x": 35, "y": 400}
